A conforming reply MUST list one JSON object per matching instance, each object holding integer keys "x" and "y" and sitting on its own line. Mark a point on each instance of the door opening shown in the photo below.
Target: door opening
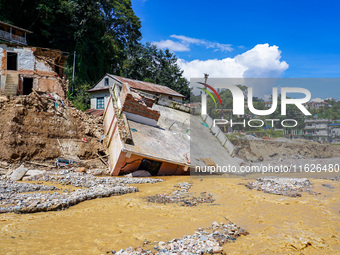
{"x": 27, "y": 86}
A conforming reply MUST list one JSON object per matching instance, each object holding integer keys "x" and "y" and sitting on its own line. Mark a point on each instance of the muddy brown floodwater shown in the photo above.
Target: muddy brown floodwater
{"x": 277, "y": 225}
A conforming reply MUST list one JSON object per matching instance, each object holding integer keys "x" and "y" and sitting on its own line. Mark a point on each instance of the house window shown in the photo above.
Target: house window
{"x": 170, "y": 98}
{"x": 12, "y": 61}
{"x": 100, "y": 102}
{"x": 106, "y": 82}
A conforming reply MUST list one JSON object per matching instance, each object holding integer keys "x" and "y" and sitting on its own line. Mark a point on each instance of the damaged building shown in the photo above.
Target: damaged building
{"x": 24, "y": 68}
{"x": 100, "y": 92}
{"x": 144, "y": 132}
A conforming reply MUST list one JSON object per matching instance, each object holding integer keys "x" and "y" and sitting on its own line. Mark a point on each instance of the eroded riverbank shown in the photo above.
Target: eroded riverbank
{"x": 276, "y": 224}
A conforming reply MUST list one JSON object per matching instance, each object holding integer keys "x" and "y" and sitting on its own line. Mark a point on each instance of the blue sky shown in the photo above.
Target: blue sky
{"x": 244, "y": 34}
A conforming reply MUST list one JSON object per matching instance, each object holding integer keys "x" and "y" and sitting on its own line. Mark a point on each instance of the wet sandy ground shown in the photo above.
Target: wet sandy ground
{"x": 277, "y": 224}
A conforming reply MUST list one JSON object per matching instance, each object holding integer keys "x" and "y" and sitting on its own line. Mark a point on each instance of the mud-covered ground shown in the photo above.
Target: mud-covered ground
{"x": 309, "y": 224}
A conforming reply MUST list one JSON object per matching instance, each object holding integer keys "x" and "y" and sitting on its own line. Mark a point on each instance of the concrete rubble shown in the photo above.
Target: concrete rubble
{"x": 18, "y": 173}
{"x": 203, "y": 241}
{"x": 182, "y": 196}
{"x": 14, "y": 196}
{"x": 291, "y": 187}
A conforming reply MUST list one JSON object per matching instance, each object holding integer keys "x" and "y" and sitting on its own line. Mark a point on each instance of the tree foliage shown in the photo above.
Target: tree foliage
{"x": 99, "y": 31}
{"x": 148, "y": 63}
{"x": 105, "y": 35}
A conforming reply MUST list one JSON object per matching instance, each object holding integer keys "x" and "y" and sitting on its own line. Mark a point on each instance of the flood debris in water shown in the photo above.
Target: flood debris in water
{"x": 182, "y": 196}
{"x": 13, "y": 198}
{"x": 291, "y": 187}
{"x": 203, "y": 241}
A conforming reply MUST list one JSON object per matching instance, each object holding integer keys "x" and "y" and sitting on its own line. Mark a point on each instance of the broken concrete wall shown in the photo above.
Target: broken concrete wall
{"x": 113, "y": 141}
{"x": 173, "y": 104}
{"x": 35, "y": 63}
{"x": 128, "y": 163}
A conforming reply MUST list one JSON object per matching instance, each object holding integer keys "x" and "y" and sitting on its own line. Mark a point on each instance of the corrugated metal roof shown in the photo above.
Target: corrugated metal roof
{"x": 147, "y": 86}
{"x": 96, "y": 112}
{"x": 94, "y": 89}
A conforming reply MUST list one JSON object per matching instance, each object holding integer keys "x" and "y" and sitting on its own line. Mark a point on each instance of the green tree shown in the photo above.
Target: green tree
{"x": 148, "y": 63}
{"x": 105, "y": 35}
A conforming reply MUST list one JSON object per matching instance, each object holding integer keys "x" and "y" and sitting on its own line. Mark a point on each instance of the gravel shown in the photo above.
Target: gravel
{"x": 9, "y": 186}
{"x": 203, "y": 241}
{"x": 12, "y": 198}
{"x": 182, "y": 196}
{"x": 291, "y": 187}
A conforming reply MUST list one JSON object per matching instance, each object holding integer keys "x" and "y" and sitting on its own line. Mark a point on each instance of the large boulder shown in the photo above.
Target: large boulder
{"x": 33, "y": 174}
{"x": 19, "y": 173}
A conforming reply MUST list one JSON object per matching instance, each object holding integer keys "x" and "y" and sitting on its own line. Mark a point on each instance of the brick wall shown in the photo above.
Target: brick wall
{"x": 137, "y": 104}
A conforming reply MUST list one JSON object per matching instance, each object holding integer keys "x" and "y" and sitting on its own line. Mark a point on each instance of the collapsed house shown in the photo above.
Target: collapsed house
{"x": 143, "y": 135}
{"x": 144, "y": 132}
{"x": 24, "y": 68}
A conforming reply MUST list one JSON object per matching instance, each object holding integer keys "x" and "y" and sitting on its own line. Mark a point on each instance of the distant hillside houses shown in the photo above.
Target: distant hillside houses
{"x": 318, "y": 103}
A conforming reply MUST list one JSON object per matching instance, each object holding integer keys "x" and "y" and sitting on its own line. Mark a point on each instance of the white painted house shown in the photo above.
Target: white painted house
{"x": 100, "y": 93}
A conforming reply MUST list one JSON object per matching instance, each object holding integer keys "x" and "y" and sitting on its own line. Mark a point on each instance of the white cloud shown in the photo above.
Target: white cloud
{"x": 260, "y": 62}
{"x": 171, "y": 45}
{"x": 186, "y": 39}
{"x": 185, "y": 42}
{"x": 263, "y": 61}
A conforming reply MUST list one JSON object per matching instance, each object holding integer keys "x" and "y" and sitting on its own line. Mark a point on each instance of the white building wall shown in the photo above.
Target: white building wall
{"x": 25, "y": 56}
{"x": 335, "y": 130}
{"x": 95, "y": 95}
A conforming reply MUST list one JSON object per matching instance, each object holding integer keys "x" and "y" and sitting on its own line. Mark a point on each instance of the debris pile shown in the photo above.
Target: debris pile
{"x": 42, "y": 126}
{"x": 291, "y": 187}
{"x": 182, "y": 196}
{"x": 281, "y": 150}
{"x": 9, "y": 186}
{"x": 12, "y": 198}
{"x": 66, "y": 177}
{"x": 203, "y": 241}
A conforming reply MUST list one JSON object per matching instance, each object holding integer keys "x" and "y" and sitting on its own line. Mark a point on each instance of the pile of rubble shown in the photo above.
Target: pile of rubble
{"x": 182, "y": 196}
{"x": 291, "y": 187}
{"x": 42, "y": 126}
{"x": 203, "y": 241}
{"x": 281, "y": 150}
{"x": 9, "y": 186}
{"x": 14, "y": 196}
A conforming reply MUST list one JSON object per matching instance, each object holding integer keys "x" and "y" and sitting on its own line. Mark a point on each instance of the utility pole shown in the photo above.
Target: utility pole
{"x": 206, "y": 77}
{"x": 74, "y": 67}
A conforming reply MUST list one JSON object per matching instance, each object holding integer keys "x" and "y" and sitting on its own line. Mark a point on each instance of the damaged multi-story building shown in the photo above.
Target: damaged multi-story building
{"x": 159, "y": 135}
{"x": 25, "y": 68}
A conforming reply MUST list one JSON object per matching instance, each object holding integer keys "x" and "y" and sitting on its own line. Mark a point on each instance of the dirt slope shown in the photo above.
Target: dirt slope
{"x": 30, "y": 127}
